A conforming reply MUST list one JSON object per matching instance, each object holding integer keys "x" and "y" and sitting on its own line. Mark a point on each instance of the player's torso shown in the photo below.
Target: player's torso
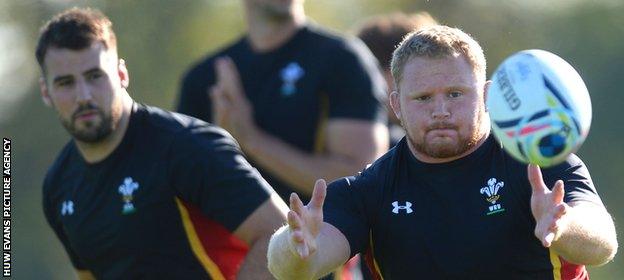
{"x": 470, "y": 222}
{"x": 121, "y": 216}
{"x": 287, "y": 91}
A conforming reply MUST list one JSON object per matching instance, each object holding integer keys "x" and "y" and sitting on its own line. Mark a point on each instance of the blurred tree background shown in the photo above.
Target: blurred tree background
{"x": 160, "y": 39}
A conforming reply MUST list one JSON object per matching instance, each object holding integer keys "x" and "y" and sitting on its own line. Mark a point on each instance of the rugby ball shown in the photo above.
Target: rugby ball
{"x": 539, "y": 107}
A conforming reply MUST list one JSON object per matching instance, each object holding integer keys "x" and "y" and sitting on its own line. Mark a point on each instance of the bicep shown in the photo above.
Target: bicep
{"x": 594, "y": 220}
{"x": 359, "y": 140}
{"x": 263, "y": 221}
{"x": 592, "y": 208}
{"x": 356, "y": 127}
{"x": 355, "y": 88}
{"x": 84, "y": 275}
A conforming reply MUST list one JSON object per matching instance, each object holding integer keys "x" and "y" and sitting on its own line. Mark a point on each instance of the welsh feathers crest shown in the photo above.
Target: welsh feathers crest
{"x": 126, "y": 189}
{"x": 290, "y": 75}
{"x": 491, "y": 191}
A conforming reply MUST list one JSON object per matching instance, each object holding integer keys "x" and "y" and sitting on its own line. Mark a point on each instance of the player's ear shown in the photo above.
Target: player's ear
{"x": 486, "y": 87}
{"x": 122, "y": 71}
{"x": 45, "y": 96}
{"x": 395, "y": 103}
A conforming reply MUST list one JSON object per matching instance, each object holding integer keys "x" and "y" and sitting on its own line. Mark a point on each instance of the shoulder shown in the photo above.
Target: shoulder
{"x": 55, "y": 171}
{"x": 572, "y": 167}
{"x": 183, "y": 129}
{"x": 579, "y": 187}
{"x": 53, "y": 181}
{"x": 184, "y": 132}
{"x": 335, "y": 43}
{"x": 573, "y": 161}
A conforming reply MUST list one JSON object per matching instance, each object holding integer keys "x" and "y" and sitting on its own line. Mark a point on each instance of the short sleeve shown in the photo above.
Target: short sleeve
{"x": 51, "y": 215}
{"x": 577, "y": 181}
{"x": 354, "y": 85}
{"x": 193, "y": 98}
{"x": 209, "y": 171}
{"x": 345, "y": 209}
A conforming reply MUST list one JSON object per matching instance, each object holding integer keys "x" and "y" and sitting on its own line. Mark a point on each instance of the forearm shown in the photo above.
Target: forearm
{"x": 589, "y": 237}
{"x": 255, "y": 264}
{"x": 298, "y": 168}
{"x": 284, "y": 263}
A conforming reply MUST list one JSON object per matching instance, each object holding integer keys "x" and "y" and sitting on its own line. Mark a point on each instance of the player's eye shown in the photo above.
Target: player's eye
{"x": 455, "y": 94}
{"x": 422, "y": 98}
{"x": 64, "y": 83}
{"x": 94, "y": 76}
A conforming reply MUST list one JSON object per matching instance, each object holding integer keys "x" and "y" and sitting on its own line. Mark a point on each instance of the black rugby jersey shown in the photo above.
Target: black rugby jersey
{"x": 465, "y": 219}
{"x": 294, "y": 89}
{"x": 163, "y": 205}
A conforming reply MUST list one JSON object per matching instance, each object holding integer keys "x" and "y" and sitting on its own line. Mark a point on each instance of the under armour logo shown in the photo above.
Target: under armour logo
{"x": 67, "y": 208}
{"x": 407, "y": 207}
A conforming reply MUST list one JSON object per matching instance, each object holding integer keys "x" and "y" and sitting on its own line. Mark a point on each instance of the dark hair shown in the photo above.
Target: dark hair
{"x": 383, "y": 33}
{"x": 75, "y": 29}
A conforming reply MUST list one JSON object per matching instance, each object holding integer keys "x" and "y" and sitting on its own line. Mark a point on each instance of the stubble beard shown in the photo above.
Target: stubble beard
{"x": 446, "y": 150}
{"x": 442, "y": 150}
{"x": 92, "y": 131}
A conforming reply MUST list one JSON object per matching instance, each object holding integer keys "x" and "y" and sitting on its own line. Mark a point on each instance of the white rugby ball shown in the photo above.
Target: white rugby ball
{"x": 539, "y": 107}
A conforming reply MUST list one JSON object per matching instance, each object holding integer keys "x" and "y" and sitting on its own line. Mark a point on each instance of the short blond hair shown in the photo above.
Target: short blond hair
{"x": 437, "y": 42}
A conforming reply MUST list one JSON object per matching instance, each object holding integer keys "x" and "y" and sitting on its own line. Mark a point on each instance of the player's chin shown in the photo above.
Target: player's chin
{"x": 92, "y": 133}
{"x": 85, "y": 126}
{"x": 442, "y": 148}
{"x": 88, "y": 127}
{"x": 436, "y": 139}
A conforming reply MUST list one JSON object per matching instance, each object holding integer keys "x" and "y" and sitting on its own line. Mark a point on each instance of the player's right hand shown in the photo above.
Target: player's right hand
{"x": 548, "y": 207}
{"x": 304, "y": 222}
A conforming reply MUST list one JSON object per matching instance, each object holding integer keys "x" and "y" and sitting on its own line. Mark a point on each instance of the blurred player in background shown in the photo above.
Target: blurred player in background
{"x": 301, "y": 101}
{"x": 382, "y": 34}
{"x": 448, "y": 202}
{"x": 139, "y": 192}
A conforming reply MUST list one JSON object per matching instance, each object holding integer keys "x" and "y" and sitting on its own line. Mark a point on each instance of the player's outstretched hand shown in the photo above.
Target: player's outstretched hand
{"x": 305, "y": 222}
{"x": 547, "y": 207}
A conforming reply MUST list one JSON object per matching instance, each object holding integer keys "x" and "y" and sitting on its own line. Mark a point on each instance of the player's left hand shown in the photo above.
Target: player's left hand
{"x": 547, "y": 207}
{"x": 231, "y": 109}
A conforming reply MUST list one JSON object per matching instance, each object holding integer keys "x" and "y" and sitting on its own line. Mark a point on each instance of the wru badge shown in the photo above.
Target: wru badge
{"x": 290, "y": 75}
{"x": 491, "y": 191}
{"x": 126, "y": 189}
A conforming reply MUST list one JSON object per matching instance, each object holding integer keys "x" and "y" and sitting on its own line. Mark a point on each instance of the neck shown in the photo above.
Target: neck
{"x": 96, "y": 152}
{"x": 428, "y": 159}
{"x": 268, "y": 33}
